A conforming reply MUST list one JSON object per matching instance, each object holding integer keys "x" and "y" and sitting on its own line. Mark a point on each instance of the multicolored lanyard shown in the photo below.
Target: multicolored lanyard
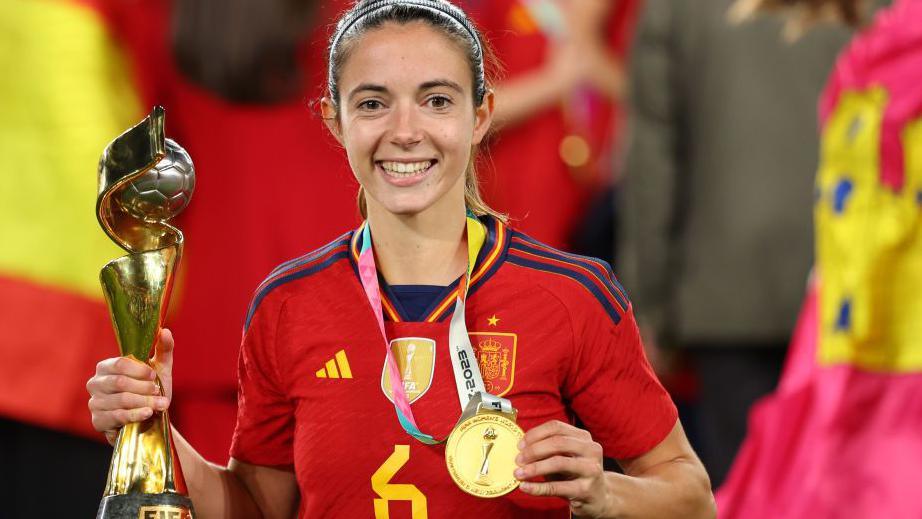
{"x": 468, "y": 379}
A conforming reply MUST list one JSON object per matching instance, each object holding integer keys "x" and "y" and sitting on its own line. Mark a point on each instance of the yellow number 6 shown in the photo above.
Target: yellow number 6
{"x": 396, "y": 492}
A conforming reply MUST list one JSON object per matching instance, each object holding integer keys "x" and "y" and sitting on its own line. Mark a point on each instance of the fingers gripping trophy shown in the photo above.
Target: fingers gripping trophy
{"x": 144, "y": 181}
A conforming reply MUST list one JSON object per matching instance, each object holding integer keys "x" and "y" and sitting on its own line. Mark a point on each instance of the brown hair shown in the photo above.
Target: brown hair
{"x": 454, "y": 24}
{"x": 801, "y": 14}
{"x": 245, "y": 51}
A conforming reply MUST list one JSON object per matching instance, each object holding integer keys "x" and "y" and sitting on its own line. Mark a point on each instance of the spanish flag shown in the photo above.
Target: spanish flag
{"x": 66, "y": 91}
{"x": 842, "y": 435}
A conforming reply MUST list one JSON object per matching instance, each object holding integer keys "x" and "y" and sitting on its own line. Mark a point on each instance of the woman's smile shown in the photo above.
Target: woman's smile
{"x": 405, "y": 173}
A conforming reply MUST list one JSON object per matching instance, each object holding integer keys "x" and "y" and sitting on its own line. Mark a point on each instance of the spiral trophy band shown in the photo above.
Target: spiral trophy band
{"x": 144, "y": 181}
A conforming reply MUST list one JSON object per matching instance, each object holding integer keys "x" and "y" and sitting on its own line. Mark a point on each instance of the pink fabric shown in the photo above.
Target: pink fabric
{"x": 837, "y": 441}
{"x": 831, "y": 442}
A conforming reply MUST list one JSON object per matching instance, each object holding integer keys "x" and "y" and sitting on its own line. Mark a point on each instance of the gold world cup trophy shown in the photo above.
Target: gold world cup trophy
{"x": 144, "y": 181}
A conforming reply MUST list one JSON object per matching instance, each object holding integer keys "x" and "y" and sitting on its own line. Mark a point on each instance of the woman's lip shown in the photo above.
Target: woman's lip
{"x": 405, "y": 161}
{"x": 404, "y": 180}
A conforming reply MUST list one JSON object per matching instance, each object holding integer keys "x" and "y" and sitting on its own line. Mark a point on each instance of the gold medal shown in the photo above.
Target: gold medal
{"x": 481, "y": 452}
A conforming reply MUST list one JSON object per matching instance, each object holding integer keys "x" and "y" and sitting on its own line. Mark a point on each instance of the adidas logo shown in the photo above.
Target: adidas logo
{"x": 337, "y": 367}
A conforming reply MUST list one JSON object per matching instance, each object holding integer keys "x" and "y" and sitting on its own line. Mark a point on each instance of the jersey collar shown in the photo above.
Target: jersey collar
{"x": 488, "y": 261}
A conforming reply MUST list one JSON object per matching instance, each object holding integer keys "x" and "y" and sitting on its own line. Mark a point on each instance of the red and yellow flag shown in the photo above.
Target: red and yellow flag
{"x": 66, "y": 93}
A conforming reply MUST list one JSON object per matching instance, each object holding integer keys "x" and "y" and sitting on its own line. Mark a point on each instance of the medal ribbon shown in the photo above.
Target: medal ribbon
{"x": 468, "y": 379}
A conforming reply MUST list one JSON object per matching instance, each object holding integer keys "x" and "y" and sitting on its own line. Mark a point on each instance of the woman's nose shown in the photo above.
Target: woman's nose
{"x": 405, "y": 130}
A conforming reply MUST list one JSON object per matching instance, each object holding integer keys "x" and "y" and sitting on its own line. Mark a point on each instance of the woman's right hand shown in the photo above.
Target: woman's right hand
{"x": 125, "y": 390}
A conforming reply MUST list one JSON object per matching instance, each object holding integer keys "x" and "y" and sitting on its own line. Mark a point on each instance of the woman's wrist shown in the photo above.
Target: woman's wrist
{"x": 612, "y": 507}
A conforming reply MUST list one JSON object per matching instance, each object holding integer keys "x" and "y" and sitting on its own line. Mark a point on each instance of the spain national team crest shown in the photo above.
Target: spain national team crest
{"x": 495, "y": 353}
{"x": 415, "y": 358}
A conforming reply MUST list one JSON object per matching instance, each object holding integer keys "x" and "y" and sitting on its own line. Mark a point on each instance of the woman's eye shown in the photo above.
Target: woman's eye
{"x": 439, "y": 102}
{"x": 371, "y": 104}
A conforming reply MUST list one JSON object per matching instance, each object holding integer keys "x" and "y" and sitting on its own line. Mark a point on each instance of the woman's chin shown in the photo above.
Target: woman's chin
{"x": 407, "y": 209}
{"x": 420, "y": 200}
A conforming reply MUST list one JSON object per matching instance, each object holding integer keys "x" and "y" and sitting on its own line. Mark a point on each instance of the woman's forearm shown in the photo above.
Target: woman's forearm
{"x": 607, "y": 76}
{"x": 676, "y": 489}
{"x": 215, "y": 491}
{"x": 519, "y": 98}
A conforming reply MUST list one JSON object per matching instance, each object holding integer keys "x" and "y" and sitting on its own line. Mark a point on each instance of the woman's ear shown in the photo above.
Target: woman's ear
{"x": 483, "y": 117}
{"x": 330, "y": 118}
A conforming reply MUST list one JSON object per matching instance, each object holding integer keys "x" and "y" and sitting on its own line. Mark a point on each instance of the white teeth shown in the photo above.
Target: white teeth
{"x": 405, "y": 168}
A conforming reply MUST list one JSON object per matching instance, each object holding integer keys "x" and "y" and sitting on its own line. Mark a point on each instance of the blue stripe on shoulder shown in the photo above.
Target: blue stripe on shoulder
{"x": 268, "y": 287}
{"x": 607, "y": 276}
{"x": 587, "y": 283}
{"x": 294, "y": 263}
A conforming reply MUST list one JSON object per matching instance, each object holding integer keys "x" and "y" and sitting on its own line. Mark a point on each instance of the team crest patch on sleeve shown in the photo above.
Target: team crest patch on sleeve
{"x": 495, "y": 354}
{"x": 415, "y": 358}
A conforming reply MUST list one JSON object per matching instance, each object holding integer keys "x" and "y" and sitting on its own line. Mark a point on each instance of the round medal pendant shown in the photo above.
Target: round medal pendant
{"x": 481, "y": 452}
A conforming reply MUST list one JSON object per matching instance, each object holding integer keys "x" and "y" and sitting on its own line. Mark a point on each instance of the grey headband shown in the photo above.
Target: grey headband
{"x": 440, "y": 8}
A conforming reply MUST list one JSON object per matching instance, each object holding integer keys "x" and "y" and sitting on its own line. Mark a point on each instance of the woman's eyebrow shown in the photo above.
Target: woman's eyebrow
{"x": 442, "y": 83}
{"x": 370, "y": 87}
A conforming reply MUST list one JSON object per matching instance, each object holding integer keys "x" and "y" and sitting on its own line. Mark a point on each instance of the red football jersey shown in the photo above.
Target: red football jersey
{"x": 552, "y": 332}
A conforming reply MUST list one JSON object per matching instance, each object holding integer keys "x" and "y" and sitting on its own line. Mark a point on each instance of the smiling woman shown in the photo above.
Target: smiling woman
{"x": 476, "y": 320}
{"x": 470, "y": 52}
{"x": 408, "y": 130}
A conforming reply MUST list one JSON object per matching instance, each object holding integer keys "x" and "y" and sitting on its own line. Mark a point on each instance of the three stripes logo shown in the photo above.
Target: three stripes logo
{"x": 337, "y": 367}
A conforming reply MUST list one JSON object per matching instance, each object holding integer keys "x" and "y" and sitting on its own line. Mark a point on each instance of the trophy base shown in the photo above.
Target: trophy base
{"x": 146, "y": 506}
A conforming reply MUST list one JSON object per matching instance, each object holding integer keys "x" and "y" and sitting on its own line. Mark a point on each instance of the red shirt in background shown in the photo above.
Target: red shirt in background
{"x": 523, "y": 174}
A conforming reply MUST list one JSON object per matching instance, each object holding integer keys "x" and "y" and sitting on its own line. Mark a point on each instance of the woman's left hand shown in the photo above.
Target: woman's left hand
{"x": 571, "y": 462}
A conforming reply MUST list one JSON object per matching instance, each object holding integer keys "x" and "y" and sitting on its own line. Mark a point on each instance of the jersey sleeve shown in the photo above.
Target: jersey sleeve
{"x": 612, "y": 388}
{"x": 265, "y": 415}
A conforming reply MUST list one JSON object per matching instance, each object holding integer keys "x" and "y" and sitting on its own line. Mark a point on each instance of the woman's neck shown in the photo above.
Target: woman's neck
{"x": 421, "y": 249}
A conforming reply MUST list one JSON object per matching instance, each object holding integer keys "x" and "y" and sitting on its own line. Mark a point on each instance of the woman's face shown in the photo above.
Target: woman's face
{"x": 407, "y": 119}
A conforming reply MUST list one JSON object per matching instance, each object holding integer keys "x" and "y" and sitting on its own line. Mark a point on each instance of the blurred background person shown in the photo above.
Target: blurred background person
{"x": 717, "y": 194}
{"x": 840, "y": 438}
{"x": 557, "y": 113}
